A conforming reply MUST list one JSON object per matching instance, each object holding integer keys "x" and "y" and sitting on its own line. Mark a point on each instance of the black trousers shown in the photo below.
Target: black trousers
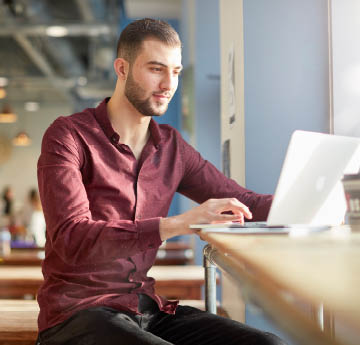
{"x": 188, "y": 326}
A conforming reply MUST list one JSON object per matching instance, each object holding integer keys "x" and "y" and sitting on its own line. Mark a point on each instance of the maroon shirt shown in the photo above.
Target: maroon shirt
{"x": 102, "y": 209}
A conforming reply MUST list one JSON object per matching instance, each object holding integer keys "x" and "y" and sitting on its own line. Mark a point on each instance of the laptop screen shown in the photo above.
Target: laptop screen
{"x": 309, "y": 189}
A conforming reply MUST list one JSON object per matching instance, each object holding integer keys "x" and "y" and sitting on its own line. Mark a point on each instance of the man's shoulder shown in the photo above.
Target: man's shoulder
{"x": 165, "y": 128}
{"x": 67, "y": 127}
{"x": 78, "y": 119}
{"x": 168, "y": 132}
{"x": 172, "y": 135}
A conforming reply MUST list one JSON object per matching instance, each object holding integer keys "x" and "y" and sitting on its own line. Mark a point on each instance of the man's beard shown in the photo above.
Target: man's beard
{"x": 134, "y": 93}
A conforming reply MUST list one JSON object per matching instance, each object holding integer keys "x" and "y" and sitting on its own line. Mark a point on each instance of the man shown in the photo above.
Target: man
{"x": 106, "y": 178}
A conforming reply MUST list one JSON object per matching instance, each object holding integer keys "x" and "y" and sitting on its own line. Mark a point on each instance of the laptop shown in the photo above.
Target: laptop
{"x": 309, "y": 193}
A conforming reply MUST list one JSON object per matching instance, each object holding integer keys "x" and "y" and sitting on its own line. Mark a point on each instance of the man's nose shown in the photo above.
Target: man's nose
{"x": 168, "y": 82}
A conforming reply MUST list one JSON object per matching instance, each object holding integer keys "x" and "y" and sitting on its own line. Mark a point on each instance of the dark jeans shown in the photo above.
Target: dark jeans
{"x": 188, "y": 326}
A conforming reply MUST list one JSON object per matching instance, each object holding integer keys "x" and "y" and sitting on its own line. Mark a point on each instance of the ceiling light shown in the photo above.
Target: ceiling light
{"x": 21, "y": 139}
{"x": 3, "y": 81}
{"x": 2, "y": 93}
{"x": 31, "y": 106}
{"x": 6, "y": 115}
{"x": 57, "y": 31}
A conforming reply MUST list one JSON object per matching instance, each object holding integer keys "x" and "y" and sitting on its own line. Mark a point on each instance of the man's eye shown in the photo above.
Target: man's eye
{"x": 156, "y": 69}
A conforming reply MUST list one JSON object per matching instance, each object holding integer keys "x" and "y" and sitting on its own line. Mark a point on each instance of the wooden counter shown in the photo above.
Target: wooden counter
{"x": 170, "y": 253}
{"x": 23, "y": 257}
{"x": 176, "y": 282}
{"x": 320, "y": 269}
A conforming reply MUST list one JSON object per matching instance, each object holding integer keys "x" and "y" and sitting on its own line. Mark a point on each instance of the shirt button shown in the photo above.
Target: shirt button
{"x": 114, "y": 139}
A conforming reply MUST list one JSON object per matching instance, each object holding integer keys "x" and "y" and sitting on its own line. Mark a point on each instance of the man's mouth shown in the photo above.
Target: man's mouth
{"x": 161, "y": 96}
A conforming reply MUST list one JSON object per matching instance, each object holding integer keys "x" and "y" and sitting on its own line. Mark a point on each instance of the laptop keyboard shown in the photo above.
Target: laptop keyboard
{"x": 255, "y": 225}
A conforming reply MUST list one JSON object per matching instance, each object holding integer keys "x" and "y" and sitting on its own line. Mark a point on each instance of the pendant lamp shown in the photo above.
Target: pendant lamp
{"x": 22, "y": 139}
{"x": 7, "y": 115}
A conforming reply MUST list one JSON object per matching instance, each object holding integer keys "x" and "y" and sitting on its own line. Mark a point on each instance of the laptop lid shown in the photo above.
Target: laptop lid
{"x": 309, "y": 189}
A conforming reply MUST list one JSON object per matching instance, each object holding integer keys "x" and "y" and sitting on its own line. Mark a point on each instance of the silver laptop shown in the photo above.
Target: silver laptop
{"x": 309, "y": 190}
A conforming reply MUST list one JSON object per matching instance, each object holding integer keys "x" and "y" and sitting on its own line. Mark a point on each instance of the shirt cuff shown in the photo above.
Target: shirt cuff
{"x": 260, "y": 210}
{"x": 149, "y": 234}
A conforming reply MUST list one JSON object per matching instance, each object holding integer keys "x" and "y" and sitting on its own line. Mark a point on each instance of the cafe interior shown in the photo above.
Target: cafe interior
{"x": 56, "y": 58}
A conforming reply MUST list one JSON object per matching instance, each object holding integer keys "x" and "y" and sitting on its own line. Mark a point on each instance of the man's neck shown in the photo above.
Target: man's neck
{"x": 132, "y": 127}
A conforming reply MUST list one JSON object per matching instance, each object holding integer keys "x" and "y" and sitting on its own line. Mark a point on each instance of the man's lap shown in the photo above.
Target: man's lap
{"x": 188, "y": 326}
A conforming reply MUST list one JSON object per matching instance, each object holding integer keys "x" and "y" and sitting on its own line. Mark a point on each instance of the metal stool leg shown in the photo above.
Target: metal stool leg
{"x": 210, "y": 281}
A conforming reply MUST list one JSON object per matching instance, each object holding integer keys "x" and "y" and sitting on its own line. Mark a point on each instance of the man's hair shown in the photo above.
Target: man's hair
{"x": 131, "y": 38}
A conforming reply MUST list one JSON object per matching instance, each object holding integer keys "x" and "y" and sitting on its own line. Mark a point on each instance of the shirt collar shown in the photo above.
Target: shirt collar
{"x": 155, "y": 132}
{"x": 102, "y": 118}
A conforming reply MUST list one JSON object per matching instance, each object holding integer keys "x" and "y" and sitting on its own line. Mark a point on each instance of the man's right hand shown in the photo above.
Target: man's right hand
{"x": 211, "y": 211}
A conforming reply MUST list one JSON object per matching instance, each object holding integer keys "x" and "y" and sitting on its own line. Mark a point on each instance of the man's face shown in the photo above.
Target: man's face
{"x": 153, "y": 77}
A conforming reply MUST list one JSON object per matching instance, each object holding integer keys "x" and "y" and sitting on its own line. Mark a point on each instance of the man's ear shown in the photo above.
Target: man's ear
{"x": 121, "y": 67}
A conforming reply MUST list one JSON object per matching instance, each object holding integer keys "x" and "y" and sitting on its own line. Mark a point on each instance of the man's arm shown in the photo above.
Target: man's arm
{"x": 203, "y": 181}
{"x": 216, "y": 194}
{"x": 210, "y": 211}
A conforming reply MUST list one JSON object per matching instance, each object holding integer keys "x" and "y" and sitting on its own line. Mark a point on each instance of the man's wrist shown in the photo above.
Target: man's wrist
{"x": 169, "y": 227}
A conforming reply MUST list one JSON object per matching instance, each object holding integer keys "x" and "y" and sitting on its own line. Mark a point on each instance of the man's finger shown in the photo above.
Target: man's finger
{"x": 228, "y": 218}
{"x": 236, "y": 206}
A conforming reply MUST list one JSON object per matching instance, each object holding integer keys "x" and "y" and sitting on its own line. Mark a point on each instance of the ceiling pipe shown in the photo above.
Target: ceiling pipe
{"x": 89, "y": 28}
{"x": 85, "y": 10}
{"x": 36, "y": 57}
{"x": 85, "y": 29}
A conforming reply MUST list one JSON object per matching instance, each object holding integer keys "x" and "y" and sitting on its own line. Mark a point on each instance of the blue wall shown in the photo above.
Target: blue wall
{"x": 286, "y": 81}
